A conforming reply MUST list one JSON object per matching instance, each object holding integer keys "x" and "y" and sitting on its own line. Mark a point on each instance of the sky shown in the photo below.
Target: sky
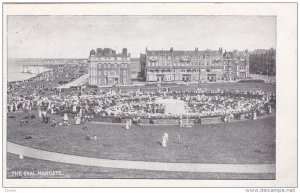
{"x": 75, "y": 36}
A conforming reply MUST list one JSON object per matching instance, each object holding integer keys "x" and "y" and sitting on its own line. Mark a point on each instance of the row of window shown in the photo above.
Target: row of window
{"x": 95, "y": 81}
{"x": 179, "y": 64}
{"x": 113, "y": 58}
{"x": 109, "y": 65}
{"x": 113, "y": 72}
{"x": 108, "y": 72}
{"x": 184, "y": 71}
{"x": 182, "y": 58}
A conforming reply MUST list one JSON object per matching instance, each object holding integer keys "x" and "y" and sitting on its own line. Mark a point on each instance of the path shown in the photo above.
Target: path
{"x": 82, "y": 80}
{"x": 141, "y": 165}
{"x": 266, "y": 78}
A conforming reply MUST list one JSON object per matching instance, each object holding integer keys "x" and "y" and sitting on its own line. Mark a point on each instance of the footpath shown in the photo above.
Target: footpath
{"x": 140, "y": 165}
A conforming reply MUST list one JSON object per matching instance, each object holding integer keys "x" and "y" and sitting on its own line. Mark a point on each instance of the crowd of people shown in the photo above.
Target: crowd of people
{"x": 141, "y": 104}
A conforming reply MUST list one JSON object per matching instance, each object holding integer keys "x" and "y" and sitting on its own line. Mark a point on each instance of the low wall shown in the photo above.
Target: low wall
{"x": 210, "y": 120}
{"x": 162, "y": 121}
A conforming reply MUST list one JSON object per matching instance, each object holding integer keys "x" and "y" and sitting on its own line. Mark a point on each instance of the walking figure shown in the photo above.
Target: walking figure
{"x": 165, "y": 138}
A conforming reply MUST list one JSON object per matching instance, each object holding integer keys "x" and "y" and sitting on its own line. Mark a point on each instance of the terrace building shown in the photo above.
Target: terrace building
{"x": 106, "y": 67}
{"x": 263, "y": 62}
{"x": 191, "y": 66}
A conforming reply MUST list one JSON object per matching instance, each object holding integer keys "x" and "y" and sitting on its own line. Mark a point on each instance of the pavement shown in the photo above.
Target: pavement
{"x": 139, "y": 165}
{"x": 78, "y": 82}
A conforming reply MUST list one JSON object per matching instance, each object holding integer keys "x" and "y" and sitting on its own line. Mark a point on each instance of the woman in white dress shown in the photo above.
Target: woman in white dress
{"x": 165, "y": 138}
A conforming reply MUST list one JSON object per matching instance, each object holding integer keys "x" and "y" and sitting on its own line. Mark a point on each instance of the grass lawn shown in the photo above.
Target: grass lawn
{"x": 236, "y": 142}
{"x": 75, "y": 171}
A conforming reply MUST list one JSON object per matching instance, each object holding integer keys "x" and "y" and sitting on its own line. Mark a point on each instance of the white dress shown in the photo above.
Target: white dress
{"x": 164, "y": 140}
{"x": 78, "y": 120}
{"x": 74, "y": 108}
{"x": 127, "y": 125}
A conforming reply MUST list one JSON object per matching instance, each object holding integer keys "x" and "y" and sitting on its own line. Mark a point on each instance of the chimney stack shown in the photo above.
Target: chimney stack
{"x": 124, "y": 51}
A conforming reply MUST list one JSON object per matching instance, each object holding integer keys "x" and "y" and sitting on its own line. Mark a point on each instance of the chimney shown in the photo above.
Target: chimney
{"x": 99, "y": 51}
{"x": 124, "y": 51}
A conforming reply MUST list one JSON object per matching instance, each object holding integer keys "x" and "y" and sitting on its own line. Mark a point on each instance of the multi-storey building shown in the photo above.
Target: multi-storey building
{"x": 236, "y": 65}
{"x": 106, "y": 67}
{"x": 263, "y": 62}
{"x": 190, "y": 66}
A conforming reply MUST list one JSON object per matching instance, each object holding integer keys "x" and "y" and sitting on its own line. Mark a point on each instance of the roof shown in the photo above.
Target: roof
{"x": 111, "y": 55}
{"x": 262, "y": 51}
{"x": 181, "y": 52}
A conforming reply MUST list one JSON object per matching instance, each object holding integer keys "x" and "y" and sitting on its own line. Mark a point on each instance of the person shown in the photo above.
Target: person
{"x": 254, "y": 115}
{"x": 269, "y": 109}
{"x": 44, "y": 115}
{"x": 78, "y": 120}
{"x": 88, "y": 137}
{"x": 130, "y": 122}
{"x": 21, "y": 122}
{"x": 127, "y": 125}
{"x": 225, "y": 119}
{"x": 74, "y": 107}
{"x": 165, "y": 138}
{"x": 66, "y": 119}
{"x": 47, "y": 118}
{"x": 54, "y": 123}
{"x": 180, "y": 121}
{"x": 40, "y": 113}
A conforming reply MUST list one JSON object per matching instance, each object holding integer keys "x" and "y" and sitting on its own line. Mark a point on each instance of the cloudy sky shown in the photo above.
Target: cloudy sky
{"x": 75, "y": 36}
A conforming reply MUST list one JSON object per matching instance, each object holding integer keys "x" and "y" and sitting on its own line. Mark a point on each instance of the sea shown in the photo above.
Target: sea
{"x": 15, "y": 71}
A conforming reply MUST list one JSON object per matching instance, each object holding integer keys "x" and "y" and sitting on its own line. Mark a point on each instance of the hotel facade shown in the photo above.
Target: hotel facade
{"x": 106, "y": 67}
{"x": 193, "y": 66}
